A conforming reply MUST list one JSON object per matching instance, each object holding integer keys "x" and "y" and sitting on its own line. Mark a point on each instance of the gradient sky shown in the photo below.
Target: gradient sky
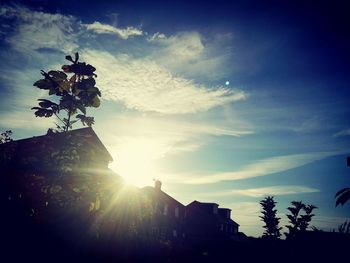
{"x": 222, "y": 102}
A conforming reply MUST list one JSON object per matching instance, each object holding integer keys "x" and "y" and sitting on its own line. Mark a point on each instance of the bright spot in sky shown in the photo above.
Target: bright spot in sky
{"x": 227, "y": 83}
{"x": 135, "y": 160}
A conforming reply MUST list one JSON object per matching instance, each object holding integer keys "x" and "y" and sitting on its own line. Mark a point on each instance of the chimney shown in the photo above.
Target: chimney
{"x": 157, "y": 185}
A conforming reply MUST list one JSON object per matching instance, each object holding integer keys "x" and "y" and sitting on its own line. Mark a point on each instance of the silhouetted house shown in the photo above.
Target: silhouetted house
{"x": 208, "y": 221}
{"x": 168, "y": 220}
{"x": 55, "y": 149}
{"x": 71, "y": 164}
{"x": 56, "y": 165}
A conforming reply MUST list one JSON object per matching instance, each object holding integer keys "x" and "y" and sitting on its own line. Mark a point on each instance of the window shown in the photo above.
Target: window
{"x": 165, "y": 211}
{"x": 215, "y": 209}
{"x": 174, "y": 233}
{"x": 221, "y": 227}
{"x": 176, "y": 212}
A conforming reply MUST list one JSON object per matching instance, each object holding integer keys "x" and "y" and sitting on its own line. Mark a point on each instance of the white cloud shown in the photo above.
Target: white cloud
{"x": 345, "y": 132}
{"x": 271, "y": 190}
{"x": 157, "y": 36}
{"x": 182, "y": 47}
{"x": 189, "y": 54}
{"x": 36, "y": 30}
{"x": 259, "y": 168}
{"x": 123, "y": 33}
{"x": 144, "y": 85}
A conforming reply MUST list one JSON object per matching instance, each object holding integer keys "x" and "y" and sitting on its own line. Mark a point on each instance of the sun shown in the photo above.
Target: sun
{"x": 136, "y": 160}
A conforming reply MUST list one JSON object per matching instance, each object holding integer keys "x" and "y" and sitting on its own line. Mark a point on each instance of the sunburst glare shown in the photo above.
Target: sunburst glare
{"x": 136, "y": 159}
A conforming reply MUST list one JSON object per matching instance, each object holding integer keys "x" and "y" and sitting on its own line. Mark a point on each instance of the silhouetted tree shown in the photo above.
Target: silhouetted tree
{"x": 269, "y": 217}
{"x": 306, "y": 218}
{"x": 299, "y": 222}
{"x": 75, "y": 93}
{"x": 5, "y": 136}
{"x": 294, "y": 218}
{"x": 344, "y": 228}
{"x": 344, "y": 194}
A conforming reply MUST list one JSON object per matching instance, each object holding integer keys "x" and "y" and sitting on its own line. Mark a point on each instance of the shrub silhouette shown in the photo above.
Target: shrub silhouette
{"x": 272, "y": 229}
{"x": 299, "y": 222}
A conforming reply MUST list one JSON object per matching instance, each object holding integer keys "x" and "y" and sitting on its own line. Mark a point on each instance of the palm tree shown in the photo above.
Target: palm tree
{"x": 344, "y": 194}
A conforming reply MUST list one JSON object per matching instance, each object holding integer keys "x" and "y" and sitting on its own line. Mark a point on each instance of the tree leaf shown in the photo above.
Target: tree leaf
{"x": 88, "y": 83}
{"x": 76, "y": 57}
{"x": 64, "y": 86}
{"x": 43, "y": 84}
{"x": 41, "y": 112}
{"x": 343, "y": 197}
{"x": 57, "y": 75}
{"x": 69, "y": 58}
{"x": 52, "y": 91}
{"x": 342, "y": 191}
{"x": 82, "y": 108}
{"x": 96, "y": 102}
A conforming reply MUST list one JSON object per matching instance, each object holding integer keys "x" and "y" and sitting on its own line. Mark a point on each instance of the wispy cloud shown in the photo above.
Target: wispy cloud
{"x": 123, "y": 33}
{"x": 36, "y": 29}
{"x": 190, "y": 54}
{"x": 259, "y": 168}
{"x": 271, "y": 190}
{"x": 29, "y": 30}
{"x": 345, "y": 132}
{"x": 184, "y": 46}
{"x": 144, "y": 85}
{"x": 156, "y": 37}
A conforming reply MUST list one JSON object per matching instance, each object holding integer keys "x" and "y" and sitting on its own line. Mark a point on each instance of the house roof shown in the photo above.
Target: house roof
{"x": 225, "y": 220}
{"x": 202, "y": 203}
{"x": 157, "y": 193}
{"x": 218, "y": 218}
{"x": 225, "y": 209}
{"x": 87, "y": 133}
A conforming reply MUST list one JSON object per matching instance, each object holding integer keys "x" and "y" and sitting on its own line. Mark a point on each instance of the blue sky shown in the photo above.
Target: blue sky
{"x": 223, "y": 102}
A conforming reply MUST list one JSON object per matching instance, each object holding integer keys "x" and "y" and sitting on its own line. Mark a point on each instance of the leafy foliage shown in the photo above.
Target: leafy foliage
{"x": 272, "y": 229}
{"x": 342, "y": 196}
{"x": 74, "y": 93}
{"x": 5, "y": 136}
{"x": 299, "y": 218}
{"x": 344, "y": 228}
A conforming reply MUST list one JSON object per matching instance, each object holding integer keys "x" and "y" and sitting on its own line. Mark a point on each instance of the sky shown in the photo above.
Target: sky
{"x": 223, "y": 101}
